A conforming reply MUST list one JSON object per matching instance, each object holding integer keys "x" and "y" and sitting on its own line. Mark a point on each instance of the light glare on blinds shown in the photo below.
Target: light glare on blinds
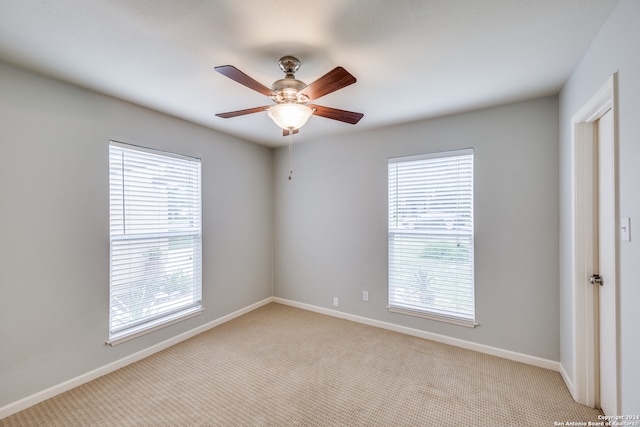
{"x": 155, "y": 235}
{"x": 431, "y": 235}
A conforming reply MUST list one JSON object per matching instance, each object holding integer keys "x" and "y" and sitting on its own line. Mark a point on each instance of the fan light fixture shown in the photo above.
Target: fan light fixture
{"x": 289, "y": 115}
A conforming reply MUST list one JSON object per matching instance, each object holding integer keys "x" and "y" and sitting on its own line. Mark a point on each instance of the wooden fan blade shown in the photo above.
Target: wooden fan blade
{"x": 285, "y": 132}
{"x": 242, "y": 112}
{"x": 234, "y": 74}
{"x": 330, "y": 82}
{"x": 336, "y": 114}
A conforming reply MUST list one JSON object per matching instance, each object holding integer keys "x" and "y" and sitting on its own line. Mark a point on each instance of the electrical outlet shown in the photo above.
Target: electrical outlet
{"x": 365, "y": 295}
{"x": 335, "y": 301}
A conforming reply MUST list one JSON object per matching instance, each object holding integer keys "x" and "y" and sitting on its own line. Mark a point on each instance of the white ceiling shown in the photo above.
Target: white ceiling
{"x": 413, "y": 59}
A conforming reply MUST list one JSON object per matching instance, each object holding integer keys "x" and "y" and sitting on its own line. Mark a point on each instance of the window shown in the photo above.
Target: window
{"x": 431, "y": 236}
{"x": 155, "y": 236}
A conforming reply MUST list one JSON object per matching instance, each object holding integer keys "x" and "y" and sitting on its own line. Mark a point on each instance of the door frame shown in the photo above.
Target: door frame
{"x": 584, "y": 252}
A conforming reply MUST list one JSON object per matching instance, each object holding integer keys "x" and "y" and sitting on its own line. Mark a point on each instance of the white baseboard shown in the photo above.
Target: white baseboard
{"x": 486, "y": 349}
{"x": 28, "y": 401}
{"x": 568, "y": 383}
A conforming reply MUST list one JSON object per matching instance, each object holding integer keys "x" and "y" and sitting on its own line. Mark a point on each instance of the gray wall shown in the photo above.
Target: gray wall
{"x": 331, "y": 230}
{"x": 614, "y": 49}
{"x": 54, "y": 250}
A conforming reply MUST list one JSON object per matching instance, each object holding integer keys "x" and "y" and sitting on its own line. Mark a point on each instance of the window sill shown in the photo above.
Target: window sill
{"x": 433, "y": 316}
{"x": 130, "y": 334}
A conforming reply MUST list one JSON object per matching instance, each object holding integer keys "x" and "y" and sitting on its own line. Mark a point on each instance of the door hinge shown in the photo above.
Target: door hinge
{"x": 595, "y": 279}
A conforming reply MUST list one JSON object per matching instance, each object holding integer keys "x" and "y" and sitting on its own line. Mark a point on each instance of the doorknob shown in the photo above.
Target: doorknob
{"x": 596, "y": 278}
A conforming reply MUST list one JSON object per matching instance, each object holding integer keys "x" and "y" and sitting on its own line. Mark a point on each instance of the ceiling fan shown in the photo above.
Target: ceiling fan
{"x": 292, "y": 96}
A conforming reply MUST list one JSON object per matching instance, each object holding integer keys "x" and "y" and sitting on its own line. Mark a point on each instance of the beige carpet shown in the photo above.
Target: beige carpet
{"x": 281, "y": 366}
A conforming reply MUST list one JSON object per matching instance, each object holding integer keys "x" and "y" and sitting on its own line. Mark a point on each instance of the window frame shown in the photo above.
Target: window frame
{"x": 125, "y": 228}
{"x": 421, "y": 235}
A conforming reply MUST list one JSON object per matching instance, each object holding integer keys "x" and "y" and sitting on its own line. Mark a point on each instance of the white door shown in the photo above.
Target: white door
{"x": 607, "y": 268}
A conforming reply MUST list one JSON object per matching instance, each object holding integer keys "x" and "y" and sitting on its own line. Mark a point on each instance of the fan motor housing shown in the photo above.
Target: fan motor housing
{"x": 287, "y": 83}
{"x": 288, "y": 88}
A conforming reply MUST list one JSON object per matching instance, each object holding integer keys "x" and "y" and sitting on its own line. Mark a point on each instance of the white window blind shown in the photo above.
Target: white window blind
{"x": 431, "y": 236}
{"x": 155, "y": 235}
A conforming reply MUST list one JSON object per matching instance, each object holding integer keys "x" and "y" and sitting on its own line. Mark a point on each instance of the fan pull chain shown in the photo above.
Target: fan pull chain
{"x": 290, "y": 154}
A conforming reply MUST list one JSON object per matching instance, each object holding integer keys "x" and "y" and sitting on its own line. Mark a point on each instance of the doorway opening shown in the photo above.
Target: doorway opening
{"x": 592, "y": 163}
